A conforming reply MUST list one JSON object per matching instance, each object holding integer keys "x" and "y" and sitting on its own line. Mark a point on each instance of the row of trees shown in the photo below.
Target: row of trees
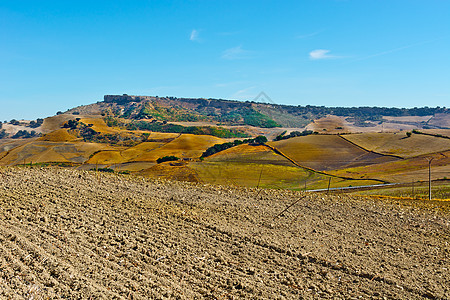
{"x": 167, "y": 158}
{"x": 294, "y": 134}
{"x": 259, "y": 140}
{"x": 175, "y": 128}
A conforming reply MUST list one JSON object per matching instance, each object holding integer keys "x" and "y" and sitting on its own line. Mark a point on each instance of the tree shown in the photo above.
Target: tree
{"x": 408, "y": 134}
{"x": 260, "y": 139}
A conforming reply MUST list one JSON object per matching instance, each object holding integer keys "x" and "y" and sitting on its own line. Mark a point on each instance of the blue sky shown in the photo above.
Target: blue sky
{"x": 55, "y": 55}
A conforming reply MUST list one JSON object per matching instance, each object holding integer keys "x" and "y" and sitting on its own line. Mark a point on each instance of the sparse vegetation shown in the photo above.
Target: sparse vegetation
{"x": 24, "y": 134}
{"x": 431, "y": 134}
{"x": 36, "y": 124}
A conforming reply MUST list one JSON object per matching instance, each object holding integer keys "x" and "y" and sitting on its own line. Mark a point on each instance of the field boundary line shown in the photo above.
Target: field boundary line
{"x": 370, "y": 151}
{"x": 277, "y": 151}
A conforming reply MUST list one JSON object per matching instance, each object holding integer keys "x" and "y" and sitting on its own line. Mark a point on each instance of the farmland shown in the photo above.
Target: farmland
{"x": 343, "y": 148}
{"x": 327, "y": 152}
{"x": 67, "y": 233}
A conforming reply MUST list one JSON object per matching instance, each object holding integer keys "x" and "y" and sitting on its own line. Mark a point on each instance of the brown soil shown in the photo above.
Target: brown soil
{"x": 79, "y": 235}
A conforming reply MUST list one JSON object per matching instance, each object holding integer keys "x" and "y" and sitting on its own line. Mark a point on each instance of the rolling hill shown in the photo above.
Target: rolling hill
{"x": 341, "y": 147}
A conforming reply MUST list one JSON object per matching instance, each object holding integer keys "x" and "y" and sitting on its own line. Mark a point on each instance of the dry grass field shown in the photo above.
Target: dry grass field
{"x": 76, "y": 235}
{"x": 60, "y": 135}
{"x": 273, "y": 176}
{"x": 98, "y": 124}
{"x": 56, "y": 122}
{"x": 407, "y": 170}
{"x": 417, "y": 190}
{"x": 246, "y": 153}
{"x": 39, "y": 151}
{"x": 182, "y": 146}
{"x": 327, "y": 152}
{"x": 399, "y": 144}
{"x": 330, "y": 124}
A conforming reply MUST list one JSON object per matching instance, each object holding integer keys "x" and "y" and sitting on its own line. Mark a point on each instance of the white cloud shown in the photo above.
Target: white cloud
{"x": 236, "y": 53}
{"x": 194, "y": 36}
{"x": 320, "y": 54}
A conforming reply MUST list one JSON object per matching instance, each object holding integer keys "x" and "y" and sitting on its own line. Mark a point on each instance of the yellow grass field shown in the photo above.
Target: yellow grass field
{"x": 326, "y": 152}
{"x": 56, "y": 122}
{"x": 272, "y": 176}
{"x": 60, "y": 135}
{"x": 330, "y": 124}
{"x": 250, "y": 154}
{"x": 399, "y": 144}
{"x": 45, "y": 151}
{"x": 98, "y": 123}
{"x": 171, "y": 171}
{"x": 184, "y": 146}
{"x": 407, "y": 170}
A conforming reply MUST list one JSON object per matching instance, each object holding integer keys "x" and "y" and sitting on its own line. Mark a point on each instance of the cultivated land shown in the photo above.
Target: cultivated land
{"x": 350, "y": 146}
{"x": 399, "y": 143}
{"x": 76, "y": 234}
{"x": 327, "y": 152}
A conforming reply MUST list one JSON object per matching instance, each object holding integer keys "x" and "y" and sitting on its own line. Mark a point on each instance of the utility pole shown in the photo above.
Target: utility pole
{"x": 329, "y": 182}
{"x": 429, "y": 159}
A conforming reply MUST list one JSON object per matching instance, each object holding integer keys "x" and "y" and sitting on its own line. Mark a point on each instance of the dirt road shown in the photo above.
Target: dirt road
{"x": 73, "y": 234}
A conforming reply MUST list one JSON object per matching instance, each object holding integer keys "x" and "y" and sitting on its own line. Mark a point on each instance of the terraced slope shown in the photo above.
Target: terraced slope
{"x": 77, "y": 235}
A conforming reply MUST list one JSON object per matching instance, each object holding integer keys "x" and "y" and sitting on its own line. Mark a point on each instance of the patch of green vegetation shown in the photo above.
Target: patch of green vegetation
{"x": 3, "y": 134}
{"x": 24, "y": 134}
{"x": 247, "y": 116}
{"x": 294, "y": 134}
{"x": 175, "y": 128}
{"x": 167, "y": 158}
{"x": 221, "y": 147}
{"x": 105, "y": 170}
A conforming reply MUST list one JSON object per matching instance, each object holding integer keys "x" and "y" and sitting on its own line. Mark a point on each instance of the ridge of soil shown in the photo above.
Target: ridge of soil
{"x": 77, "y": 234}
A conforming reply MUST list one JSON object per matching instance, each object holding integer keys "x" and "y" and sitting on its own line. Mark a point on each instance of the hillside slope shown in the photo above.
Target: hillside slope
{"x": 77, "y": 235}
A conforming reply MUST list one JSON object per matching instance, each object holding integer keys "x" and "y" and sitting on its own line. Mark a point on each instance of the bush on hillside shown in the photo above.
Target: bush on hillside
{"x": 167, "y": 158}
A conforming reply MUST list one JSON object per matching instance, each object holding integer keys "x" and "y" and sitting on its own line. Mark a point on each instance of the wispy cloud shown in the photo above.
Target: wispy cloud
{"x": 398, "y": 49}
{"x": 194, "y": 35}
{"x": 244, "y": 93}
{"x": 304, "y": 36}
{"x": 236, "y": 53}
{"x": 321, "y": 54}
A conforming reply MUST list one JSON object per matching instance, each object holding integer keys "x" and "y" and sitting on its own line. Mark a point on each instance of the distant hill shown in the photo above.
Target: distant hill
{"x": 265, "y": 115}
{"x": 215, "y": 141}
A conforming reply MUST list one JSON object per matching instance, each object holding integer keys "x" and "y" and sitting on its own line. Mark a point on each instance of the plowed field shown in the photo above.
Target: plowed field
{"x": 79, "y": 235}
